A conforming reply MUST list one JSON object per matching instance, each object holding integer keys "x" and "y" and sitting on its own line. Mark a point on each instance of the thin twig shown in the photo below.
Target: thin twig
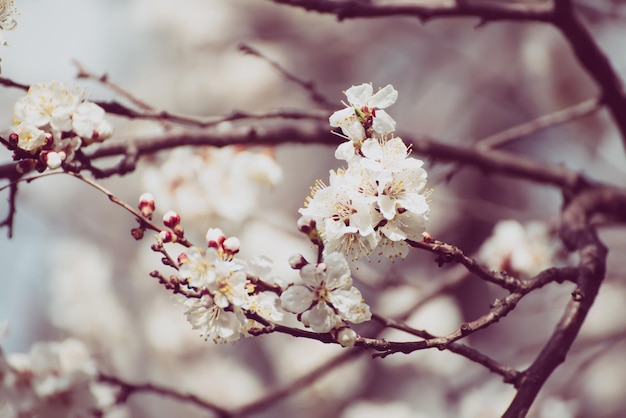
{"x": 296, "y": 385}
{"x": 142, "y": 220}
{"x": 127, "y": 389}
{"x": 543, "y": 122}
{"x": 104, "y": 80}
{"x": 307, "y": 85}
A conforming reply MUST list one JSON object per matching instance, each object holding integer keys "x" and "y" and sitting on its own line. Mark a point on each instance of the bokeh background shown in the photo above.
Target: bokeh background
{"x": 72, "y": 268}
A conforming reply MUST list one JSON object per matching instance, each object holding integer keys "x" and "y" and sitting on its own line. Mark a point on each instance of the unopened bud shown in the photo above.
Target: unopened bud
{"x": 183, "y": 258}
{"x": 215, "y": 237}
{"x": 297, "y": 261}
{"x": 167, "y": 236}
{"x": 49, "y": 140}
{"x": 346, "y": 337}
{"x": 14, "y": 138}
{"x": 306, "y": 224}
{"x": 53, "y": 159}
{"x": 137, "y": 233}
{"x": 146, "y": 205}
{"x": 171, "y": 219}
{"x": 24, "y": 166}
{"x": 231, "y": 245}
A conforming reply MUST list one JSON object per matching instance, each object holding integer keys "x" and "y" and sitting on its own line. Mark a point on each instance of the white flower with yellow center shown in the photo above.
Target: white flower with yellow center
{"x": 326, "y": 299}
{"x": 212, "y": 321}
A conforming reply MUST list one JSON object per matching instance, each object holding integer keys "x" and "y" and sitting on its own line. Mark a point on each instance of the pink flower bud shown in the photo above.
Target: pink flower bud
{"x": 215, "y": 237}
{"x": 231, "y": 245}
{"x": 183, "y": 258}
{"x": 167, "y": 236}
{"x": 306, "y": 224}
{"x": 171, "y": 219}
{"x": 297, "y": 261}
{"x": 146, "y": 205}
{"x": 137, "y": 233}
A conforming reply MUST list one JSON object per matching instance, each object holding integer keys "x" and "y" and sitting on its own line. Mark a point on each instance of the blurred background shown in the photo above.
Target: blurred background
{"x": 72, "y": 268}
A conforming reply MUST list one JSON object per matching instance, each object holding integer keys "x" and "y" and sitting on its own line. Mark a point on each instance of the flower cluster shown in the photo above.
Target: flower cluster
{"x": 53, "y": 121}
{"x": 53, "y": 380}
{"x": 205, "y": 183}
{"x": 226, "y": 288}
{"x": 326, "y": 299}
{"x": 7, "y": 21}
{"x": 380, "y": 200}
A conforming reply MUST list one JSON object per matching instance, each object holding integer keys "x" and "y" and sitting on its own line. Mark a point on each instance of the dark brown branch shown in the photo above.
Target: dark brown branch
{"x": 500, "y": 308}
{"x": 447, "y": 253}
{"x": 509, "y": 374}
{"x": 312, "y": 132}
{"x": 116, "y": 108}
{"x": 10, "y": 217}
{"x": 10, "y": 83}
{"x": 485, "y": 10}
{"x": 594, "y": 61}
{"x": 577, "y": 233}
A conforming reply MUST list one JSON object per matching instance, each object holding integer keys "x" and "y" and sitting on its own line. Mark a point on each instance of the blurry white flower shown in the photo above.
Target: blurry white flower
{"x": 53, "y": 380}
{"x": 48, "y": 105}
{"x": 54, "y": 159}
{"x": 30, "y": 138}
{"x": 88, "y": 122}
{"x": 326, "y": 298}
{"x": 209, "y": 183}
{"x": 365, "y": 111}
{"x": 54, "y": 117}
{"x": 519, "y": 249}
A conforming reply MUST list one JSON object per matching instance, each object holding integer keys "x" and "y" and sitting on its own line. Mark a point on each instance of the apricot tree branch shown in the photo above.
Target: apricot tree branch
{"x": 578, "y": 234}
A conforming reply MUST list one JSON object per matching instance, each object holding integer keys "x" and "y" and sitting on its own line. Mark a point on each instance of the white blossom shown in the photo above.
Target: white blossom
{"x": 54, "y": 117}
{"x": 48, "y": 105}
{"x": 345, "y": 217}
{"x": 326, "y": 298}
{"x": 364, "y": 111}
{"x": 88, "y": 122}
{"x": 212, "y": 321}
{"x": 30, "y": 138}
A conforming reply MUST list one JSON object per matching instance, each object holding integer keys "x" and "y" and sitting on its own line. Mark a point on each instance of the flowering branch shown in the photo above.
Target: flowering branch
{"x": 577, "y": 233}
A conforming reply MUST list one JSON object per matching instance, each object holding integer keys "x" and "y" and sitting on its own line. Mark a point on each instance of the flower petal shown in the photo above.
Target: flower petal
{"x": 359, "y": 95}
{"x": 384, "y": 97}
{"x": 296, "y": 299}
